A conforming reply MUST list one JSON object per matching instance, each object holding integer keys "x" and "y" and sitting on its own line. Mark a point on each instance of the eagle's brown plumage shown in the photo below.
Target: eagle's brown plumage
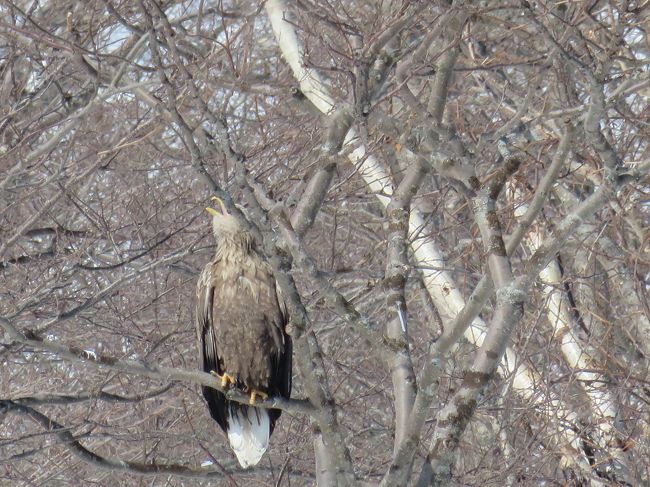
{"x": 240, "y": 324}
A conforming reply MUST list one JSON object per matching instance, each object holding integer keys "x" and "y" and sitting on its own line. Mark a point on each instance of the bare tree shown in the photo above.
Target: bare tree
{"x": 453, "y": 197}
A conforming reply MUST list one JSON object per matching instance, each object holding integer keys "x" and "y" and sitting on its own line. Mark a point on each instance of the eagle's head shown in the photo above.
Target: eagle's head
{"x": 224, "y": 224}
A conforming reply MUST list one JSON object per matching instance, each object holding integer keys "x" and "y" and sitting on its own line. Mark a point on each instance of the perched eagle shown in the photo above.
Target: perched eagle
{"x": 240, "y": 324}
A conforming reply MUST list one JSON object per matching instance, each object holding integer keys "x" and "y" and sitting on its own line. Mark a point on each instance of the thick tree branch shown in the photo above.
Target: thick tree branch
{"x": 397, "y": 271}
{"x": 103, "y": 462}
{"x": 141, "y": 368}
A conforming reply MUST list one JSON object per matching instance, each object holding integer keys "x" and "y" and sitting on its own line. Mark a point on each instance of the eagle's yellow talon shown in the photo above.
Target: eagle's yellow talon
{"x": 261, "y": 394}
{"x": 226, "y": 378}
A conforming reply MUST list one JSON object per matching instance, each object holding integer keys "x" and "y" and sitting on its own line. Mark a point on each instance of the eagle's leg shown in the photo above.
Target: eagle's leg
{"x": 263, "y": 395}
{"x": 226, "y": 378}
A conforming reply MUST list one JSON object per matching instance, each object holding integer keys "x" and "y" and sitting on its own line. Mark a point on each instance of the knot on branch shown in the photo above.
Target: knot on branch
{"x": 396, "y": 277}
{"x": 395, "y": 344}
{"x": 510, "y": 295}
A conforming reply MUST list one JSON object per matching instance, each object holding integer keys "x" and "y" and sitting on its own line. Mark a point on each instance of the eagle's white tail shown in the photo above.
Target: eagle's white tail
{"x": 248, "y": 433}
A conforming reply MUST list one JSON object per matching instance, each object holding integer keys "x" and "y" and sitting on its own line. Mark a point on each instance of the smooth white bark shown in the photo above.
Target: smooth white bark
{"x": 439, "y": 283}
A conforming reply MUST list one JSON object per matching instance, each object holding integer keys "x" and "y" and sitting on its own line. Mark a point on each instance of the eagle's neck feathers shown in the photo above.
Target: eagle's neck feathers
{"x": 235, "y": 248}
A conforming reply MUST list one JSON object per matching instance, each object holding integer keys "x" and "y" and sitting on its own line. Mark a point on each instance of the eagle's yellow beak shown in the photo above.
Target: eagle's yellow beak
{"x": 220, "y": 202}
